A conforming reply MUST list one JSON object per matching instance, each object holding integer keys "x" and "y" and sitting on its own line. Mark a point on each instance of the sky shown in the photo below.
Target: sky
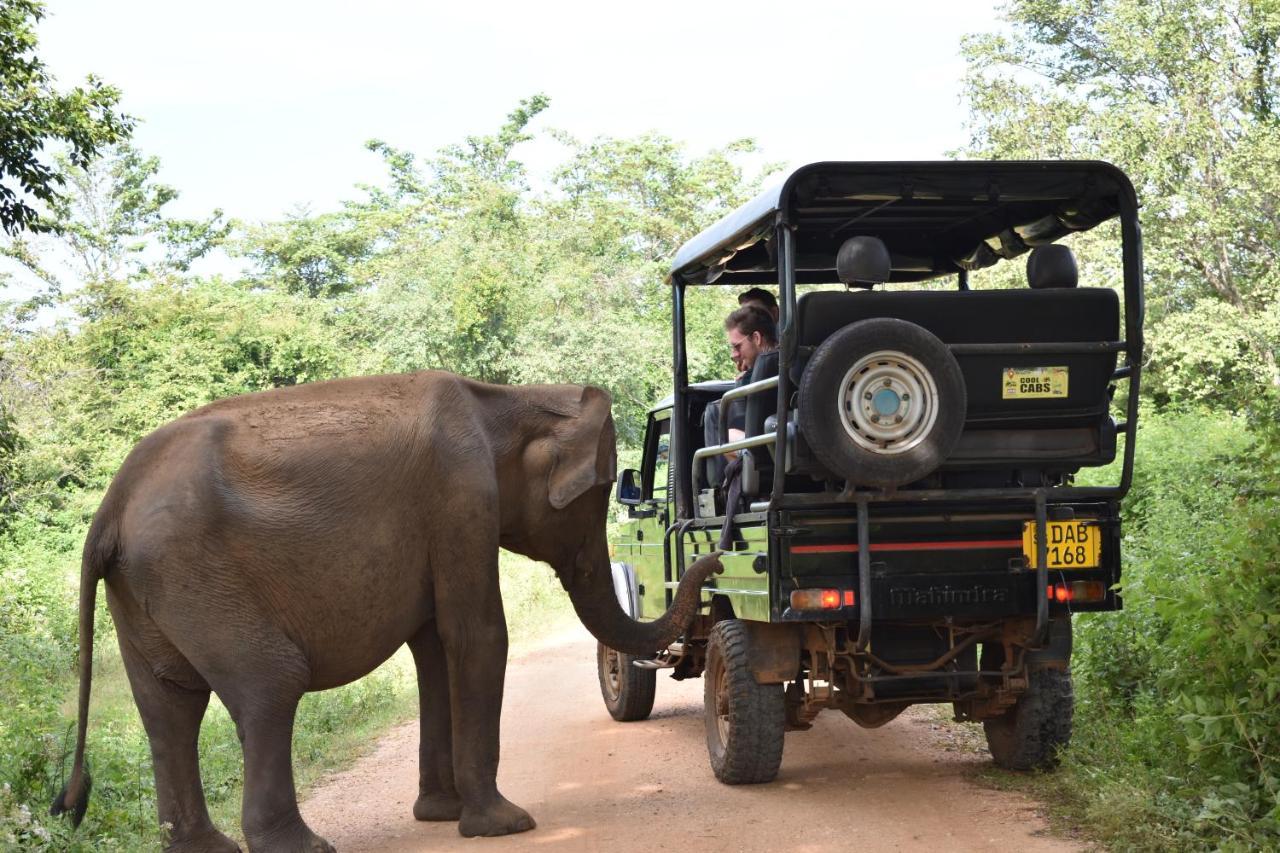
{"x": 262, "y": 108}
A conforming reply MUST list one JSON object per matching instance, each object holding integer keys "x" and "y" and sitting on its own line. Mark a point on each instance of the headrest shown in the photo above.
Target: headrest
{"x": 863, "y": 261}
{"x": 1051, "y": 266}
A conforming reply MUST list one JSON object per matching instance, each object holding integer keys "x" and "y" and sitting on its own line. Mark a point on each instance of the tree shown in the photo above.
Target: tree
{"x": 460, "y": 262}
{"x": 481, "y": 274}
{"x": 1182, "y": 95}
{"x": 108, "y": 226}
{"x": 316, "y": 256}
{"x": 645, "y": 195}
{"x": 459, "y": 259}
{"x": 620, "y": 209}
{"x": 33, "y": 114}
{"x": 10, "y": 444}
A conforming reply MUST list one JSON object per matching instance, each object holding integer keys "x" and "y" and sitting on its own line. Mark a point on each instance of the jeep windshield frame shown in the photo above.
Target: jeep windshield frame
{"x": 941, "y": 218}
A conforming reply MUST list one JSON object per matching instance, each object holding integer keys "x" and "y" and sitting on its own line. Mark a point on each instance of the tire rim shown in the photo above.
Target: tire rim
{"x": 722, "y": 705}
{"x": 612, "y": 673}
{"x": 888, "y": 402}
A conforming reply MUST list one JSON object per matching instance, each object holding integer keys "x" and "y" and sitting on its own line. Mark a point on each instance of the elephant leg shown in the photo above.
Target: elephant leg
{"x": 171, "y": 709}
{"x": 473, "y": 631}
{"x": 437, "y": 797}
{"x": 263, "y": 701}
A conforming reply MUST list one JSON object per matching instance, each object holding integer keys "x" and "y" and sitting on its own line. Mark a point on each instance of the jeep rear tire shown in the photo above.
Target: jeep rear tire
{"x": 882, "y": 402}
{"x": 628, "y": 690}
{"x": 745, "y": 720}
{"x": 1030, "y": 734}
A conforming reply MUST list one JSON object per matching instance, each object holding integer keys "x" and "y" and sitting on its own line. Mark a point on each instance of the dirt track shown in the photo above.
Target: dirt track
{"x": 593, "y": 784}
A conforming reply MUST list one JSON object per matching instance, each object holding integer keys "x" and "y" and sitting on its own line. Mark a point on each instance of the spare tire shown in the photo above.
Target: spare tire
{"x": 882, "y": 402}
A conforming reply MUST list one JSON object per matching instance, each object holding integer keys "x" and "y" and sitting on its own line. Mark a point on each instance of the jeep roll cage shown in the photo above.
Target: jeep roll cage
{"x": 936, "y": 219}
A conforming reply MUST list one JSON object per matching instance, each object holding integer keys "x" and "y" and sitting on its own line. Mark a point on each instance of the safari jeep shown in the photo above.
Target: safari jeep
{"x": 905, "y": 526}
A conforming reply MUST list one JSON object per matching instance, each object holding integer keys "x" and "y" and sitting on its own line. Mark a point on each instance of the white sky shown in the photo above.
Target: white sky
{"x": 257, "y": 107}
{"x": 262, "y": 107}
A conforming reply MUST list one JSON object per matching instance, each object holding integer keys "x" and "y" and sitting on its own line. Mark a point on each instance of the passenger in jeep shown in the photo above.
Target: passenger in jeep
{"x": 763, "y": 298}
{"x": 751, "y": 333}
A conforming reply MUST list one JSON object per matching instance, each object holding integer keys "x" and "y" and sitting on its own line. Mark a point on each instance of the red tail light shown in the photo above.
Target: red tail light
{"x": 1077, "y": 591}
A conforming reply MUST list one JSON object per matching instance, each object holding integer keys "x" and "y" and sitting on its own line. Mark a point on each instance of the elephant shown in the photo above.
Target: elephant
{"x": 291, "y": 540}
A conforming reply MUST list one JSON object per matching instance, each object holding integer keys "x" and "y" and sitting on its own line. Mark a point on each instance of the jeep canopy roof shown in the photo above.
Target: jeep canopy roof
{"x": 936, "y": 218}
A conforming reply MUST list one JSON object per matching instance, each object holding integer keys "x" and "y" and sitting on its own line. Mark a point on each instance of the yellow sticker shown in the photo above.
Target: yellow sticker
{"x": 1025, "y": 383}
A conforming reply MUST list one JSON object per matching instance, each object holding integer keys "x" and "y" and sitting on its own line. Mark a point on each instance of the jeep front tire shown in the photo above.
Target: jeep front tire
{"x": 628, "y": 690}
{"x": 745, "y": 720}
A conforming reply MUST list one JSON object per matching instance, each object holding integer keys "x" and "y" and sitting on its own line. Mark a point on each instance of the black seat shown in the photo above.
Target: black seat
{"x": 1052, "y": 314}
{"x": 757, "y": 471}
{"x": 761, "y": 406}
{"x": 995, "y": 317}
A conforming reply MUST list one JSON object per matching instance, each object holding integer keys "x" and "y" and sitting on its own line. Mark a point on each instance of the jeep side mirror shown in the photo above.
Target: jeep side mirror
{"x": 629, "y": 487}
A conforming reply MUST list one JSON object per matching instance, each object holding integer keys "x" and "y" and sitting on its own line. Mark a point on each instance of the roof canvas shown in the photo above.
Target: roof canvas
{"x": 936, "y": 218}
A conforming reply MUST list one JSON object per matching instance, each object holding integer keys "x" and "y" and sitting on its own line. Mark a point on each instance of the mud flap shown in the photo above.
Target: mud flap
{"x": 773, "y": 651}
{"x": 1056, "y": 652}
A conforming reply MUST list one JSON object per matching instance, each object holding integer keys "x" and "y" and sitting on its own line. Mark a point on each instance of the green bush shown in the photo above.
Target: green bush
{"x": 1178, "y": 725}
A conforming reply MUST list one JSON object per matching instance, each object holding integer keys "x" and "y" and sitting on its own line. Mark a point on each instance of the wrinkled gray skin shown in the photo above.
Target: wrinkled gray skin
{"x": 272, "y": 544}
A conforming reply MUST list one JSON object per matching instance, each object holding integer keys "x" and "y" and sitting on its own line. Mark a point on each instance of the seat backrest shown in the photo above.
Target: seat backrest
{"x": 998, "y": 317}
{"x": 761, "y": 406}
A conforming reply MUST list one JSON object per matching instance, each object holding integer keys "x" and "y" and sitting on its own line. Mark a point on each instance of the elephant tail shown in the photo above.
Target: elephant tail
{"x": 99, "y": 552}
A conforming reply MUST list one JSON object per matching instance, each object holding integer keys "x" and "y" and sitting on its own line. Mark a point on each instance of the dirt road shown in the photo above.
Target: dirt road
{"x": 593, "y": 784}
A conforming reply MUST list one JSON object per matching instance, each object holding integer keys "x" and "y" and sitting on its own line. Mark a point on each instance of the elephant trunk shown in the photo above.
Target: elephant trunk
{"x": 597, "y": 606}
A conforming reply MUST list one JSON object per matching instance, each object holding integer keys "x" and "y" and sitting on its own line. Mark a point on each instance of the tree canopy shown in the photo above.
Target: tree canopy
{"x": 1182, "y": 96}
{"x": 33, "y": 114}
{"x": 1177, "y": 731}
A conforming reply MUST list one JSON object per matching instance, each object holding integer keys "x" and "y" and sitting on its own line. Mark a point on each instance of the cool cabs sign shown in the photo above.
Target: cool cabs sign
{"x": 1029, "y": 383}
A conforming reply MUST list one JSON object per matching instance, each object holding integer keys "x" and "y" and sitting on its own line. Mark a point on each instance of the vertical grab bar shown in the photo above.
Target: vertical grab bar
{"x": 1042, "y": 570}
{"x": 864, "y": 575}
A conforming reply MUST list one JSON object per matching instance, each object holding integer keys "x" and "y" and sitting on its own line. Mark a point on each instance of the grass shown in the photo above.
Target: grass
{"x": 536, "y": 605}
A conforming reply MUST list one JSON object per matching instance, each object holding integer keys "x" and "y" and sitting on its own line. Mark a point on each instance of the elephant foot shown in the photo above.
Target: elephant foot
{"x": 437, "y": 807}
{"x": 206, "y": 842}
{"x": 300, "y": 839}
{"x": 501, "y": 818}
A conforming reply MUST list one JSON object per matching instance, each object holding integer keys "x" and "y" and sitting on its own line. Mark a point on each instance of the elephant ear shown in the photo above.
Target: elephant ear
{"x": 585, "y": 456}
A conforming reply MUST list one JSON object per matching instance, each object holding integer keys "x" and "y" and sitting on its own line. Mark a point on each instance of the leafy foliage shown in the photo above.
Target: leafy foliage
{"x": 310, "y": 255}
{"x": 109, "y": 226}
{"x": 1181, "y": 95}
{"x": 33, "y": 113}
{"x": 10, "y": 444}
{"x": 475, "y": 272}
{"x": 1177, "y": 721}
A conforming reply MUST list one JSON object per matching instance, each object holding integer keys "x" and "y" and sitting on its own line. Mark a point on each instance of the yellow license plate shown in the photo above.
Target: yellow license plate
{"x": 1030, "y": 383}
{"x": 1072, "y": 544}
